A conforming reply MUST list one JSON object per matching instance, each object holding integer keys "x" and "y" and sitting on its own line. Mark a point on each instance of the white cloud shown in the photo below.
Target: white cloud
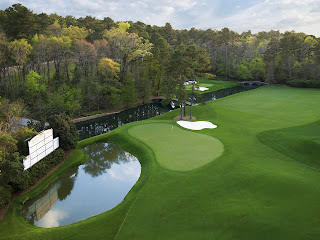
{"x": 52, "y": 218}
{"x": 258, "y": 15}
{"x": 270, "y": 14}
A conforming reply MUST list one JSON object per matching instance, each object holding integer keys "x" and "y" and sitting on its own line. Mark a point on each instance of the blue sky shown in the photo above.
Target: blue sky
{"x": 254, "y": 15}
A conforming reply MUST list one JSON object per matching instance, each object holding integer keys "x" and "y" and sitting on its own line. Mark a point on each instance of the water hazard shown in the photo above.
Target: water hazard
{"x": 92, "y": 188}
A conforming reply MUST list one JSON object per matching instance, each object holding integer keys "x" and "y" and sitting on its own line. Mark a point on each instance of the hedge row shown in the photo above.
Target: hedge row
{"x": 31, "y": 175}
{"x": 42, "y": 167}
{"x": 304, "y": 83}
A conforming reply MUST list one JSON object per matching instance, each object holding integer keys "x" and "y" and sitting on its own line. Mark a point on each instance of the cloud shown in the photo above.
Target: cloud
{"x": 256, "y": 15}
{"x": 52, "y": 218}
{"x": 269, "y": 14}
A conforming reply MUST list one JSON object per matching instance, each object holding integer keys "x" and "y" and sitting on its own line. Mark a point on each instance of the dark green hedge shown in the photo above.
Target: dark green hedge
{"x": 44, "y": 166}
{"x": 29, "y": 177}
{"x": 5, "y": 195}
{"x": 304, "y": 83}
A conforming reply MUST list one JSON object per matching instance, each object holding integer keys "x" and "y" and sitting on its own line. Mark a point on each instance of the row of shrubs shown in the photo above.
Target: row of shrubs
{"x": 304, "y": 83}
{"x": 30, "y": 176}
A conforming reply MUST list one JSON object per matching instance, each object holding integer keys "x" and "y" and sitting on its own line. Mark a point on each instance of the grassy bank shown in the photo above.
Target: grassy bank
{"x": 257, "y": 188}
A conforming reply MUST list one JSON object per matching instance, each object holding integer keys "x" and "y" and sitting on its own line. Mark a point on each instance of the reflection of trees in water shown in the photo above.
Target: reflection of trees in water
{"x": 67, "y": 184}
{"x": 102, "y": 156}
{"x": 38, "y": 207}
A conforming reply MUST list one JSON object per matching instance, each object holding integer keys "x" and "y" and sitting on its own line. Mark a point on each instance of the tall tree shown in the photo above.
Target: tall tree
{"x": 86, "y": 55}
{"x": 20, "y": 50}
{"x": 18, "y": 22}
{"x": 127, "y": 48}
{"x": 269, "y": 58}
{"x": 59, "y": 47}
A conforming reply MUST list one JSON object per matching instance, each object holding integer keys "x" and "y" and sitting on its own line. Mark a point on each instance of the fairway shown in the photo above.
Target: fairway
{"x": 264, "y": 184}
{"x": 301, "y": 143}
{"x": 177, "y": 149}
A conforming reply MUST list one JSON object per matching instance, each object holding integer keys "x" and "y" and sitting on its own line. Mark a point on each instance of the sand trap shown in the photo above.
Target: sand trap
{"x": 202, "y": 89}
{"x": 198, "y": 125}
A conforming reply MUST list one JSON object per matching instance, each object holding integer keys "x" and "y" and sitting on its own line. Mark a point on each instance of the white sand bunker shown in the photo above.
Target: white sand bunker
{"x": 197, "y": 125}
{"x": 202, "y": 89}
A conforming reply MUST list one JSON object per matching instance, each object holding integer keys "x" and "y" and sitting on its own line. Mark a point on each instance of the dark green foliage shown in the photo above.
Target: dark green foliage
{"x": 129, "y": 95}
{"x": 21, "y": 135}
{"x": 43, "y": 167}
{"x": 64, "y": 128}
{"x": 13, "y": 173}
{"x": 5, "y": 195}
{"x": 304, "y": 83}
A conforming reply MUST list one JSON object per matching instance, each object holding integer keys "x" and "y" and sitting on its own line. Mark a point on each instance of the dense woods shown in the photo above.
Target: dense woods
{"x": 66, "y": 65}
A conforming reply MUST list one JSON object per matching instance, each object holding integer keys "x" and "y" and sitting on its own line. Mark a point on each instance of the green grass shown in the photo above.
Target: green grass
{"x": 257, "y": 189}
{"x": 301, "y": 143}
{"x": 177, "y": 149}
{"x": 213, "y": 85}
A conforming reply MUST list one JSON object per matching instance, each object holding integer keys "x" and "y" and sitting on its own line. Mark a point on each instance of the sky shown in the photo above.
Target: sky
{"x": 238, "y": 15}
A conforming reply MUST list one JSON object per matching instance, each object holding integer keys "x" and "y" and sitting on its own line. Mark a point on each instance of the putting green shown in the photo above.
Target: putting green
{"x": 177, "y": 149}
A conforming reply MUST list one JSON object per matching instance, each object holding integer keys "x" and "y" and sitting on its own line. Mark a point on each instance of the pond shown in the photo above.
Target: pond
{"x": 97, "y": 126}
{"x": 87, "y": 190}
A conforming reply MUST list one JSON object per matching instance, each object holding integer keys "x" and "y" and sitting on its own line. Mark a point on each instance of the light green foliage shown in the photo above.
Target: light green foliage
{"x": 66, "y": 100}
{"x": 109, "y": 69}
{"x": 75, "y": 33}
{"x": 20, "y": 50}
{"x": 35, "y": 39}
{"x": 124, "y": 26}
{"x": 257, "y": 69}
{"x": 128, "y": 47}
{"x": 33, "y": 85}
{"x": 311, "y": 41}
{"x": 244, "y": 72}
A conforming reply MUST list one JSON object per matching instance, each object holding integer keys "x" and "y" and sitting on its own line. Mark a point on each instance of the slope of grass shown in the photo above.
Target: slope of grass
{"x": 252, "y": 191}
{"x": 213, "y": 85}
{"x": 301, "y": 143}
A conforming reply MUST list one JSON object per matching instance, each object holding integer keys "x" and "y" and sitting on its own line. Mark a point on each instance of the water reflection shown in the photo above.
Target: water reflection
{"x": 102, "y": 156}
{"x": 98, "y": 185}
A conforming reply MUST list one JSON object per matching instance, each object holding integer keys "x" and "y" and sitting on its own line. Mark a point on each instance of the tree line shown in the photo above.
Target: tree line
{"x": 67, "y": 65}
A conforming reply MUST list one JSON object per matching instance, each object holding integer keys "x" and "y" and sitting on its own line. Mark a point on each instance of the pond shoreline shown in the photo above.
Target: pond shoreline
{"x": 4, "y": 210}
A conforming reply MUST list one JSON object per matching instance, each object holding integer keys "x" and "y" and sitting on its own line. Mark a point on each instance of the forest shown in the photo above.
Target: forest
{"x": 66, "y": 65}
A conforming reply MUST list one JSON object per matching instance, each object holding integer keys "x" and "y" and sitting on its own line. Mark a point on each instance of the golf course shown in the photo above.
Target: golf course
{"x": 255, "y": 176}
